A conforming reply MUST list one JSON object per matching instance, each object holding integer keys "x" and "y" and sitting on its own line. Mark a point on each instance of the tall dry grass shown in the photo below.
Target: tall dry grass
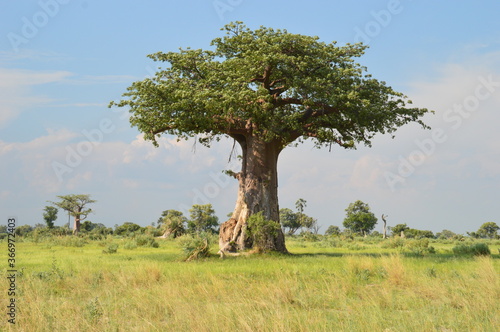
{"x": 140, "y": 290}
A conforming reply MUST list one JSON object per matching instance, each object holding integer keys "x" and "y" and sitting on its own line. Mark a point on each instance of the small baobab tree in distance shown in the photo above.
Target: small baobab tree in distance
{"x": 76, "y": 205}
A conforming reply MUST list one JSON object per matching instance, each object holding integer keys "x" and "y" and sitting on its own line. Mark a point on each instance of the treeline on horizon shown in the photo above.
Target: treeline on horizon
{"x": 359, "y": 222}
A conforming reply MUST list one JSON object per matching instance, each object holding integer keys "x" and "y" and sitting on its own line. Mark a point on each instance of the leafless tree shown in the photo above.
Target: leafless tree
{"x": 385, "y": 226}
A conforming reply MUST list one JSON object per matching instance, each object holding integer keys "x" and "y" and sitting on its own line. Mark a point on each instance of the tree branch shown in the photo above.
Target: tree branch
{"x": 288, "y": 101}
{"x": 273, "y": 83}
{"x": 227, "y": 125}
{"x": 278, "y": 91}
{"x": 267, "y": 77}
{"x": 310, "y": 112}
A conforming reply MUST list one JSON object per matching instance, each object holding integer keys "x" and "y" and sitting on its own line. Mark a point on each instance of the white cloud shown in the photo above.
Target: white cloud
{"x": 130, "y": 184}
{"x": 490, "y": 160}
{"x": 367, "y": 172}
{"x": 102, "y": 79}
{"x": 39, "y": 144}
{"x": 433, "y": 196}
{"x": 15, "y": 94}
{"x": 171, "y": 151}
{"x": 101, "y": 105}
{"x": 16, "y": 85}
{"x": 51, "y": 163}
{"x": 30, "y": 54}
{"x": 80, "y": 179}
{"x": 25, "y": 78}
{"x": 33, "y": 159}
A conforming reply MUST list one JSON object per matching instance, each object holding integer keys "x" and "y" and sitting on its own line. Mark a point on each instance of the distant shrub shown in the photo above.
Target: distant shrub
{"x": 355, "y": 246}
{"x": 431, "y": 272}
{"x": 327, "y": 242}
{"x": 371, "y": 239}
{"x": 128, "y": 229}
{"x": 310, "y": 237}
{"x": 146, "y": 241}
{"x": 24, "y": 230}
{"x": 54, "y": 273}
{"x": 153, "y": 231}
{"x": 41, "y": 234}
{"x": 419, "y": 247}
{"x": 94, "y": 311}
{"x": 130, "y": 245}
{"x": 461, "y": 249}
{"x": 393, "y": 243}
{"x": 475, "y": 249}
{"x": 70, "y": 241}
{"x": 111, "y": 249}
{"x": 103, "y": 243}
{"x": 418, "y": 234}
{"x": 332, "y": 231}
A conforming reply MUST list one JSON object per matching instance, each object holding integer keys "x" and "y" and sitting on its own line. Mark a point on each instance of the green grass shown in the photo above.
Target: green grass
{"x": 332, "y": 286}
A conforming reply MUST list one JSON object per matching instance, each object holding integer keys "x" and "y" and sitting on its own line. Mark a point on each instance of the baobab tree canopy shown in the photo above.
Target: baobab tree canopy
{"x": 265, "y": 88}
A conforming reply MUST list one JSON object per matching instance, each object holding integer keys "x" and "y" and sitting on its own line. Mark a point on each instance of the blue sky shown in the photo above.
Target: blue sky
{"x": 63, "y": 61}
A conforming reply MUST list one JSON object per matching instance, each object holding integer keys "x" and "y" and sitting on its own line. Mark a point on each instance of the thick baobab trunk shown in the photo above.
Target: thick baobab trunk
{"x": 76, "y": 225}
{"x": 257, "y": 191}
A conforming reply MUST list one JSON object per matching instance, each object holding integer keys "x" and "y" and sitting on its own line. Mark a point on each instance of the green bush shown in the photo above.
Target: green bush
{"x": 153, "y": 231}
{"x": 393, "y": 243}
{"x": 70, "y": 241}
{"x": 111, "y": 249}
{"x": 130, "y": 245}
{"x": 262, "y": 231}
{"x": 327, "y": 242}
{"x": 475, "y": 249}
{"x": 146, "y": 241}
{"x": 310, "y": 237}
{"x": 94, "y": 311}
{"x": 355, "y": 246}
{"x": 129, "y": 229}
{"x": 195, "y": 247}
{"x": 419, "y": 247}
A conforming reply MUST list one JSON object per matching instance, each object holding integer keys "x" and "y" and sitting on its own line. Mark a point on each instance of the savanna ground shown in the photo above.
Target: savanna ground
{"x": 329, "y": 284}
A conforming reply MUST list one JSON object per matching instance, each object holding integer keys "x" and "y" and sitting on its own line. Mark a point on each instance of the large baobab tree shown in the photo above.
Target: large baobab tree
{"x": 265, "y": 89}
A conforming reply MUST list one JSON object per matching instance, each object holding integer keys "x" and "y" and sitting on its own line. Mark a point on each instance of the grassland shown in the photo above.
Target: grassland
{"x": 323, "y": 286}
